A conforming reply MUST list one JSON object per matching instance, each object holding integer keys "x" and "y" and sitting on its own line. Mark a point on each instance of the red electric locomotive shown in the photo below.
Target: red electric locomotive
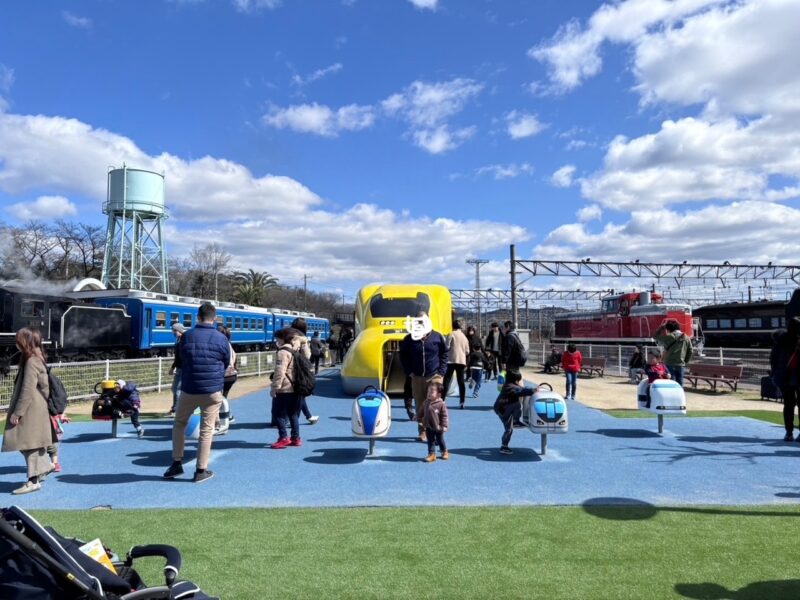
{"x": 626, "y": 318}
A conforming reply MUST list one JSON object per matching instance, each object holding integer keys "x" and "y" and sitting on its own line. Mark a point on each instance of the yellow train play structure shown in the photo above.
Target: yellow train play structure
{"x": 381, "y": 311}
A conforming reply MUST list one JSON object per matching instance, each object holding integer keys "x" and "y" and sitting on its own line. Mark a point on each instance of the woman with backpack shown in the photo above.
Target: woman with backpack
{"x": 286, "y": 402}
{"x": 28, "y": 428}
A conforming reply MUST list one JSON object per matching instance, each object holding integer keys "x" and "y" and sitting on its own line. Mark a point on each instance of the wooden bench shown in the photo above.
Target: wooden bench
{"x": 714, "y": 374}
{"x": 593, "y": 366}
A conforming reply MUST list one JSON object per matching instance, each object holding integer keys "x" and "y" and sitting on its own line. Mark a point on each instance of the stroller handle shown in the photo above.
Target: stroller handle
{"x": 171, "y": 554}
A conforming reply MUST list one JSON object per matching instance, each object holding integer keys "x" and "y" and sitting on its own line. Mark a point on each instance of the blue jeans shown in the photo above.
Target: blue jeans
{"x": 476, "y": 373}
{"x": 676, "y": 373}
{"x": 287, "y": 410}
{"x": 508, "y": 413}
{"x": 572, "y": 384}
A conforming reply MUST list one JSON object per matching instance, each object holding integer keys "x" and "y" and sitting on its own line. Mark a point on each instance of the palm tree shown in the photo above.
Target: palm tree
{"x": 251, "y": 286}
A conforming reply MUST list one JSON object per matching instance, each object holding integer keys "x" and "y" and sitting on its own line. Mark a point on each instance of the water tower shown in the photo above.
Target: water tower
{"x": 135, "y": 255}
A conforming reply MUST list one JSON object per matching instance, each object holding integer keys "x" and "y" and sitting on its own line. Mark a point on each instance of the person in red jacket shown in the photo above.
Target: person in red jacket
{"x": 571, "y": 362}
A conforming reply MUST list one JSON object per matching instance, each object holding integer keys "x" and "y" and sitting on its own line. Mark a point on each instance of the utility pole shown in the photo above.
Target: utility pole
{"x": 478, "y": 262}
{"x": 513, "y": 262}
{"x": 305, "y": 292}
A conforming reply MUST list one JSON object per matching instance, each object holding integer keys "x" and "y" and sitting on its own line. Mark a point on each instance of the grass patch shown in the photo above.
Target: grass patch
{"x": 549, "y": 552}
{"x": 762, "y": 415}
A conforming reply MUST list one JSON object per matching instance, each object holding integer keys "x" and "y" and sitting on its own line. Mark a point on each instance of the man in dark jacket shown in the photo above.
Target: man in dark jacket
{"x": 494, "y": 344}
{"x": 423, "y": 354}
{"x": 784, "y": 361}
{"x": 205, "y": 353}
{"x": 513, "y": 349}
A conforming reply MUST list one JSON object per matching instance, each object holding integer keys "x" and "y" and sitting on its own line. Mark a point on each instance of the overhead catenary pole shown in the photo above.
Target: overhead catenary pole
{"x": 513, "y": 285}
{"x": 478, "y": 262}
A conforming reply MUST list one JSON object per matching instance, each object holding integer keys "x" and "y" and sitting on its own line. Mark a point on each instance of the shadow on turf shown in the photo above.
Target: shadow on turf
{"x": 731, "y": 439}
{"x": 631, "y": 509}
{"x": 760, "y": 590}
{"x": 352, "y": 456}
{"x": 676, "y": 454}
{"x": 108, "y": 478}
{"x": 622, "y": 433}
{"x": 400, "y": 440}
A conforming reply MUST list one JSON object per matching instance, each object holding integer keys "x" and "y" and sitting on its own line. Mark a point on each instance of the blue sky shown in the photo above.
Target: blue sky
{"x": 361, "y": 140}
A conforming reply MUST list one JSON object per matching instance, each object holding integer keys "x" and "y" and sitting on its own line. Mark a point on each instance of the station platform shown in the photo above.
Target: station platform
{"x": 709, "y": 460}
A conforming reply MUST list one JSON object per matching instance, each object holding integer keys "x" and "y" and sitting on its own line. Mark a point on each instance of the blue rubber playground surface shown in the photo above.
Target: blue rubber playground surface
{"x": 725, "y": 460}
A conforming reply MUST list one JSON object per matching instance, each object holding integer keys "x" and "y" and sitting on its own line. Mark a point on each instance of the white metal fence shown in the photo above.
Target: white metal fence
{"x": 754, "y": 361}
{"x": 149, "y": 374}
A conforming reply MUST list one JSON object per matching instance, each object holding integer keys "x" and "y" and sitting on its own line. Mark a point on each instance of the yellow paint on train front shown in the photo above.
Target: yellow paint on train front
{"x": 379, "y": 323}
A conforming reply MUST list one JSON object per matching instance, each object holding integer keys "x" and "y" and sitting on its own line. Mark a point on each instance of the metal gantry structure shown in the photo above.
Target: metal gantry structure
{"x": 696, "y": 284}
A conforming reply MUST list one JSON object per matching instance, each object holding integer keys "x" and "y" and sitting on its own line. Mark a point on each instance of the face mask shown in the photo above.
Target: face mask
{"x": 419, "y": 327}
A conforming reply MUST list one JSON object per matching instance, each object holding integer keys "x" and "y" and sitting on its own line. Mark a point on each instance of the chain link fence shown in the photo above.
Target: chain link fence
{"x": 149, "y": 374}
{"x": 754, "y": 361}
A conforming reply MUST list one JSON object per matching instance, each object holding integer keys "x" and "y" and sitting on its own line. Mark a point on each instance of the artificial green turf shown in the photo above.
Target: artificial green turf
{"x": 547, "y": 552}
{"x": 762, "y": 415}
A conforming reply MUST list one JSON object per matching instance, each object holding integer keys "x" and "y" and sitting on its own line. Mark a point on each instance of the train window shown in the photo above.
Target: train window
{"x": 261, "y": 323}
{"x": 161, "y": 319}
{"x": 740, "y": 323}
{"x": 245, "y": 324}
{"x": 381, "y": 307}
{"x": 187, "y": 319}
{"x": 229, "y": 322}
{"x": 775, "y": 322}
{"x": 174, "y": 318}
{"x": 237, "y": 323}
{"x": 754, "y": 323}
{"x": 32, "y": 308}
{"x": 252, "y": 324}
{"x": 724, "y": 323}
{"x": 711, "y": 324}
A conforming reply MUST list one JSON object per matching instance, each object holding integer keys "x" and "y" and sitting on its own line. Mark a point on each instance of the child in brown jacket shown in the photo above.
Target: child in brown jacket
{"x": 435, "y": 420}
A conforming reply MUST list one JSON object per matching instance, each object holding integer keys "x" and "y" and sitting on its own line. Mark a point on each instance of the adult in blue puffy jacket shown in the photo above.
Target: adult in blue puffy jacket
{"x": 423, "y": 354}
{"x": 205, "y": 353}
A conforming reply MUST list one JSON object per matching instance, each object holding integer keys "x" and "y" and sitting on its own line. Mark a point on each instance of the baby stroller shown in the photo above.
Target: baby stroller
{"x": 37, "y": 563}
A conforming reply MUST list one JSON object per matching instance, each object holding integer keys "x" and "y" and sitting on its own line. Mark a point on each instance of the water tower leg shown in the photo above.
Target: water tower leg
{"x": 544, "y": 444}
{"x": 660, "y": 423}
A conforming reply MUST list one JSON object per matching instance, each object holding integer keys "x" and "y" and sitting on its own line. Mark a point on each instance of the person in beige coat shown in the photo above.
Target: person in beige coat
{"x": 28, "y": 427}
{"x": 457, "y": 362}
{"x": 286, "y": 402}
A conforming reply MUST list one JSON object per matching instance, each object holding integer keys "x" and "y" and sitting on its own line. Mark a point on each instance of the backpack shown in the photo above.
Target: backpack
{"x": 304, "y": 379}
{"x": 517, "y": 351}
{"x": 57, "y": 400}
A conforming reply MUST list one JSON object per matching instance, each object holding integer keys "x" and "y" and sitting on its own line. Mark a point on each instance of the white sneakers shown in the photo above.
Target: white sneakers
{"x": 27, "y": 488}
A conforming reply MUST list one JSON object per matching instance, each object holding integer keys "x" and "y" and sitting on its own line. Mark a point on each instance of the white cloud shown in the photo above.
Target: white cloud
{"x": 254, "y": 5}
{"x": 563, "y": 177}
{"x": 693, "y": 160}
{"x": 425, "y": 4}
{"x": 509, "y": 171}
{"x": 6, "y": 81}
{"x": 711, "y": 234}
{"x": 442, "y": 139}
{"x": 74, "y": 20}
{"x": 44, "y": 207}
{"x": 427, "y": 107}
{"x": 522, "y": 125}
{"x": 572, "y": 55}
{"x": 591, "y": 212}
{"x": 320, "y": 119}
{"x": 216, "y": 199}
{"x": 576, "y": 145}
{"x": 316, "y": 75}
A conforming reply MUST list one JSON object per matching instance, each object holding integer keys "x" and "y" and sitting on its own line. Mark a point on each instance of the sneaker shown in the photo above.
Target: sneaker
{"x": 201, "y": 476}
{"x": 58, "y": 467}
{"x": 296, "y": 442}
{"x": 175, "y": 469}
{"x": 506, "y": 450}
{"x": 788, "y": 437}
{"x": 475, "y": 395}
{"x": 231, "y": 420}
{"x": 27, "y": 488}
{"x": 281, "y": 443}
{"x": 140, "y": 432}
{"x": 312, "y": 420}
{"x": 430, "y": 458}
{"x": 220, "y": 430}
{"x": 518, "y": 424}
{"x": 445, "y": 455}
